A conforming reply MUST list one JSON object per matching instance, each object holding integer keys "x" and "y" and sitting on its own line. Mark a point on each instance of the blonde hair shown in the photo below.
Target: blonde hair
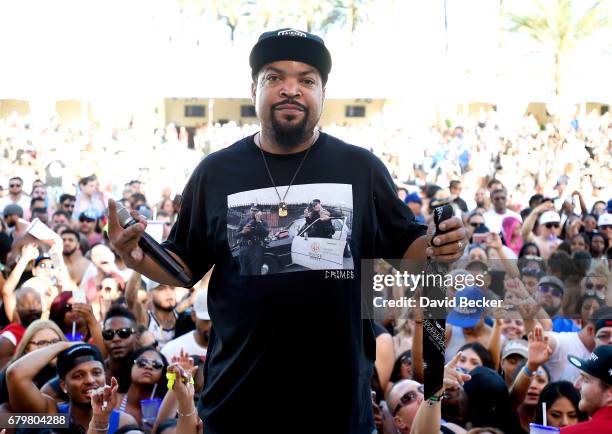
{"x": 36, "y": 326}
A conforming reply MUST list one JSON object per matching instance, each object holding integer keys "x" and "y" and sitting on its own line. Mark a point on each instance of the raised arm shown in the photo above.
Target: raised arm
{"x": 427, "y": 418}
{"x": 86, "y": 312}
{"x": 131, "y": 298}
{"x": 508, "y": 264}
{"x": 385, "y": 358}
{"x": 530, "y": 221}
{"x": 24, "y": 396}
{"x": 29, "y": 252}
{"x": 538, "y": 353}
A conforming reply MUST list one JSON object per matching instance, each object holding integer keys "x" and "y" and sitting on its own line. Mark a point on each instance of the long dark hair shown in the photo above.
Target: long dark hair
{"x": 559, "y": 389}
{"x": 483, "y": 353}
{"x": 162, "y": 386}
{"x": 397, "y": 367}
{"x": 525, "y": 247}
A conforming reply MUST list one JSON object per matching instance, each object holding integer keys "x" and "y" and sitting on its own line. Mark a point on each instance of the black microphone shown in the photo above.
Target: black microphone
{"x": 434, "y": 320}
{"x": 155, "y": 250}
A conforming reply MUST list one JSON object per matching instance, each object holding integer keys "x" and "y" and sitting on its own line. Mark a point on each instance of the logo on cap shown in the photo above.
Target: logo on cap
{"x": 576, "y": 362}
{"x": 291, "y": 32}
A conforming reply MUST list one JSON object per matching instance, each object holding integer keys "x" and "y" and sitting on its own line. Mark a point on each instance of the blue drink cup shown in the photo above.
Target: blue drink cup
{"x": 149, "y": 409}
{"x": 77, "y": 337}
{"x": 535, "y": 428}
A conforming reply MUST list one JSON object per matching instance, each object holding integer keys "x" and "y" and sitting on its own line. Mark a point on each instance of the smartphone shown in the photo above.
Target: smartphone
{"x": 481, "y": 238}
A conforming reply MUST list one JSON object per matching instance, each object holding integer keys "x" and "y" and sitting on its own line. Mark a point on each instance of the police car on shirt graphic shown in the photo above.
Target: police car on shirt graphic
{"x": 293, "y": 250}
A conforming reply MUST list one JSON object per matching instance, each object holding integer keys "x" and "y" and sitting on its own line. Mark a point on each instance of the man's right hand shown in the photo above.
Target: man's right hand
{"x": 125, "y": 240}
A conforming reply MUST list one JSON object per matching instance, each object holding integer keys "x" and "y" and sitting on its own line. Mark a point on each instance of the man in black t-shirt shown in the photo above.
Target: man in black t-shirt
{"x": 296, "y": 326}
{"x": 320, "y": 219}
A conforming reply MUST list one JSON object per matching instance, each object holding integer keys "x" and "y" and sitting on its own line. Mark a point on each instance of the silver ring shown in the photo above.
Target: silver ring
{"x": 460, "y": 244}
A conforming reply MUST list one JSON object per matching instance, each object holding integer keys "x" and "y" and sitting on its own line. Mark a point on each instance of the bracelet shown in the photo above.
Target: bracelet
{"x": 528, "y": 372}
{"x": 103, "y": 429}
{"x": 188, "y": 414}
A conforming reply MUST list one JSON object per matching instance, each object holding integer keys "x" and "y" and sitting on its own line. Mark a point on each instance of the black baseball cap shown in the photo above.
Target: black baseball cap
{"x": 40, "y": 258}
{"x": 599, "y": 363}
{"x": 74, "y": 356}
{"x": 290, "y": 44}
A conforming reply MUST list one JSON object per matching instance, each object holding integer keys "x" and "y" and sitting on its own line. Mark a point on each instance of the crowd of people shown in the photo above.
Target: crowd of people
{"x": 535, "y": 203}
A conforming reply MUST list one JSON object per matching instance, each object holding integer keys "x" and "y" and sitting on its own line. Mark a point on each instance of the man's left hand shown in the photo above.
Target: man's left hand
{"x": 447, "y": 247}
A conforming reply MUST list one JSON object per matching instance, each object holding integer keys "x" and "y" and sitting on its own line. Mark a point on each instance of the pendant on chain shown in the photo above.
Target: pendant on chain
{"x": 282, "y": 209}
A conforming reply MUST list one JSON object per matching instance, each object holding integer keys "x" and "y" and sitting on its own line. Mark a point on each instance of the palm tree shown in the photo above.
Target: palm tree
{"x": 230, "y": 12}
{"x": 556, "y": 24}
{"x": 349, "y": 13}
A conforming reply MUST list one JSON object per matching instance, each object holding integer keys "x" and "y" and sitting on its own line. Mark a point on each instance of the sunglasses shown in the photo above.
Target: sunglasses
{"x": 68, "y": 307}
{"x": 406, "y": 360}
{"x": 556, "y": 292}
{"x": 476, "y": 225}
{"x": 552, "y": 225}
{"x": 123, "y": 333}
{"x": 407, "y": 398}
{"x": 44, "y": 342}
{"x": 14, "y": 185}
{"x": 598, "y": 287}
{"x": 142, "y": 362}
{"x": 85, "y": 219}
{"x": 605, "y": 227}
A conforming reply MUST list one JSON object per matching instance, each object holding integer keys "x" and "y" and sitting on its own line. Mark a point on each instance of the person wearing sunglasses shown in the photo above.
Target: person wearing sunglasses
{"x": 147, "y": 371}
{"x": 549, "y": 228}
{"x": 403, "y": 401}
{"x": 549, "y": 295}
{"x": 494, "y": 217}
{"x": 80, "y": 368}
{"x": 474, "y": 221}
{"x": 16, "y": 195}
{"x": 120, "y": 341}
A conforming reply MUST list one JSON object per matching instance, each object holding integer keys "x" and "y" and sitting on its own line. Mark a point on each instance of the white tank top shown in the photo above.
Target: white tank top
{"x": 162, "y": 335}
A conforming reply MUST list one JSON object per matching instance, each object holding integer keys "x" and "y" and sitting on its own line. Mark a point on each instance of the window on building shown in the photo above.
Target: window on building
{"x": 354, "y": 111}
{"x": 247, "y": 111}
{"x": 195, "y": 111}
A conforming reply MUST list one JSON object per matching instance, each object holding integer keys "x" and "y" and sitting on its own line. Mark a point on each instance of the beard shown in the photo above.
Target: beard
{"x": 551, "y": 310}
{"x": 164, "y": 308}
{"x": 289, "y": 136}
{"x": 70, "y": 252}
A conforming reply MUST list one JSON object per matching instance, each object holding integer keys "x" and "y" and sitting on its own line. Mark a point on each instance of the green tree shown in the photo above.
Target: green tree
{"x": 556, "y": 25}
{"x": 348, "y": 13}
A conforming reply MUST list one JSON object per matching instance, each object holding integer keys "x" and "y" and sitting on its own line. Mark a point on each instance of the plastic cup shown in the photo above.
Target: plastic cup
{"x": 535, "y": 428}
{"x": 149, "y": 409}
{"x": 76, "y": 337}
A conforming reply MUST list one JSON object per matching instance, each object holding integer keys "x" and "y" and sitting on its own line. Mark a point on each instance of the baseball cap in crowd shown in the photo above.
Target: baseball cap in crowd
{"x": 413, "y": 197}
{"x": 290, "y": 44}
{"x": 515, "y": 346}
{"x": 552, "y": 280}
{"x": 74, "y": 356}
{"x": 598, "y": 364}
{"x": 201, "y": 306}
{"x": 150, "y": 284}
{"x": 604, "y": 220}
{"x": 89, "y": 214}
{"x": 40, "y": 258}
{"x": 549, "y": 217}
{"x": 13, "y": 209}
{"x": 466, "y": 317}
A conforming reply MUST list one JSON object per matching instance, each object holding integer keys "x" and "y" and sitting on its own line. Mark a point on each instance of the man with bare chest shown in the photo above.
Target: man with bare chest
{"x": 73, "y": 257}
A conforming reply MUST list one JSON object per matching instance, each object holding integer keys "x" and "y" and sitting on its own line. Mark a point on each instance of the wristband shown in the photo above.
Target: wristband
{"x": 528, "y": 372}
{"x": 103, "y": 429}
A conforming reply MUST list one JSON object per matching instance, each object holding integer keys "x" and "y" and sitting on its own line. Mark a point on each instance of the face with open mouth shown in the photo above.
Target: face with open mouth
{"x": 83, "y": 379}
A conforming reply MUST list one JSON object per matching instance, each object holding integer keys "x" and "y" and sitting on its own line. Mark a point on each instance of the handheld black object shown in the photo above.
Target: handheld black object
{"x": 155, "y": 250}
{"x": 434, "y": 319}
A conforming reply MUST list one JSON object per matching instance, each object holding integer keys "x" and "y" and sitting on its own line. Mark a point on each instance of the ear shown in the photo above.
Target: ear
{"x": 254, "y": 90}
{"x": 62, "y": 384}
{"x": 398, "y": 422}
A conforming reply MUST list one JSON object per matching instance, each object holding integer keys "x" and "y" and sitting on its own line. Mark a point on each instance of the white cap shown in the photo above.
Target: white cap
{"x": 549, "y": 217}
{"x": 605, "y": 219}
{"x": 201, "y": 305}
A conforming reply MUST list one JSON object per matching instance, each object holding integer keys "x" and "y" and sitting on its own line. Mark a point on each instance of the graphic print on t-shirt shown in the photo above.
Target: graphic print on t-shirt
{"x": 311, "y": 230}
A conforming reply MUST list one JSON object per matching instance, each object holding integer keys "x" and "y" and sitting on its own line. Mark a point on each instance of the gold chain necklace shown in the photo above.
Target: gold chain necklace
{"x": 282, "y": 205}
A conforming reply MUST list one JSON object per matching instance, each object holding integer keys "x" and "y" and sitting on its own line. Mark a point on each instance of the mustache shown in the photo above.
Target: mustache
{"x": 291, "y": 102}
